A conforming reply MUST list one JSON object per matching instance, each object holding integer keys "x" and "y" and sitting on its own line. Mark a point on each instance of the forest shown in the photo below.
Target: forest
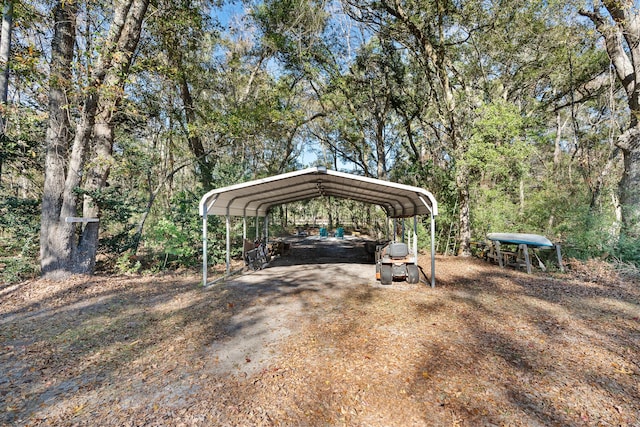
{"x": 518, "y": 116}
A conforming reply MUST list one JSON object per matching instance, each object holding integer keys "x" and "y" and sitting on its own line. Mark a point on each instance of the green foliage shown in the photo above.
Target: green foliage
{"x": 119, "y": 208}
{"x": 172, "y": 236}
{"x": 277, "y": 230}
{"x": 563, "y": 214}
{"x": 292, "y": 30}
{"x": 127, "y": 264}
{"x": 15, "y": 269}
{"x": 19, "y": 226}
{"x": 498, "y": 160}
{"x": 498, "y": 150}
{"x": 628, "y": 250}
{"x": 424, "y": 234}
{"x": 494, "y": 210}
{"x": 588, "y": 236}
{"x": 20, "y": 220}
{"x": 172, "y": 239}
{"x": 184, "y": 211}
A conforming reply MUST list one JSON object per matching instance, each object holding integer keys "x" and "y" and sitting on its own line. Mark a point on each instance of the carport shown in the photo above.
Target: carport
{"x": 256, "y": 198}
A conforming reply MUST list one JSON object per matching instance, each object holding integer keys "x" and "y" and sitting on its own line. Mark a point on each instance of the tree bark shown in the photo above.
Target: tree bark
{"x": 195, "y": 142}
{"x": 430, "y": 44}
{"x": 5, "y": 51}
{"x": 114, "y": 70}
{"x": 622, "y": 41}
{"x": 56, "y": 236}
{"x": 629, "y": 186}
{"x": 60, "y": 251}
{"x": 557, "y": 150}
{"x": 464, "y": 214}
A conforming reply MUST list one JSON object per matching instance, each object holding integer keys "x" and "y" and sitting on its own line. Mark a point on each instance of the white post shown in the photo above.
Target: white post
{"x": 525, "y": 250}
{"x": 204, "y": 250}
{"x": 559, "y": 255}
{"x": 433, "y": 251}
{"x": 228, "y": 256}
{"x": 244, "y": 229}
{"x": 415, "y": 238}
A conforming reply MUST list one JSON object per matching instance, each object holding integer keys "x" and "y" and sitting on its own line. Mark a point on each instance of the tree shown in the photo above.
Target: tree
{"x": 185, "y": 35}
{"x": 622, "y": 41}
{"x": 427, "y": 29}
{"x": 56, "y": 236}
{"x": 93, "y": 135}
{"x": 5, "y": 51}
{"x": 366, "y": 130}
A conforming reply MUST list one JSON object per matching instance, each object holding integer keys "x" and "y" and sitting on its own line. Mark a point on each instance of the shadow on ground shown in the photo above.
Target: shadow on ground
{"x": 314, "y": 340}
{"x": 324, "y": 250}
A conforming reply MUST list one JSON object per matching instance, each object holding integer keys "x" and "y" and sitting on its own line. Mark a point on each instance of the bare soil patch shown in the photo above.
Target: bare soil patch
{"x": 315, "y": 340}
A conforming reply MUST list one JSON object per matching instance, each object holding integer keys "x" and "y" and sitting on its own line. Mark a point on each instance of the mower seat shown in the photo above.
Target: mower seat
{"x": 398, "y": 250}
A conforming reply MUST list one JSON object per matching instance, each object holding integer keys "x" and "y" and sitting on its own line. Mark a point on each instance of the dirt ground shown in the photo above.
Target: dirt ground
{"x": 314, "y": 340}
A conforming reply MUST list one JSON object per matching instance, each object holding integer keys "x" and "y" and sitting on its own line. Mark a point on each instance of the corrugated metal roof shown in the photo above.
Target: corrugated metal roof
{"x": 256, "y": 197}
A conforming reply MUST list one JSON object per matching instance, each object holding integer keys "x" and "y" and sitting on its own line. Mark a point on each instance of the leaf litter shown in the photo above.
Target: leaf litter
{"x": 324, "y": 344}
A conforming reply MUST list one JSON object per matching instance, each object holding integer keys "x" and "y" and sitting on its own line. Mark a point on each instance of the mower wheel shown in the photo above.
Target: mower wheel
{"x": 386, "y": 275}
{"x": 413, "y": 274}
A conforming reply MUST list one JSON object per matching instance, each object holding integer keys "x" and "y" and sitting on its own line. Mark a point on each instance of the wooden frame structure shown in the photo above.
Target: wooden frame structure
{"x": 521, "y": 257}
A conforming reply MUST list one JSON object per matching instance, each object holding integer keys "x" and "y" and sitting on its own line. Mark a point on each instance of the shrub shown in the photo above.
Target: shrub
{"x": 19, "y": 225}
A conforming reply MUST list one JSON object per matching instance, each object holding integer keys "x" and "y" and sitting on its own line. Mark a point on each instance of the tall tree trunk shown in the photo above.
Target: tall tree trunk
{"x": 557, "y": 149}
{"x": 430, "y": 44}
{"x": 5, "y": 51}
{"x": 602, "y": 176}
{"x": 115, "y": 71}
{"x": 56, "y": 236}
{"x": 629, "y": 186}
{"x": 381, "y": 152}
{"x": 464, "y": 214}
{"x": 94, "y": 134}
{"x": 195, "y": 142}
{"x": 622, "y": 41}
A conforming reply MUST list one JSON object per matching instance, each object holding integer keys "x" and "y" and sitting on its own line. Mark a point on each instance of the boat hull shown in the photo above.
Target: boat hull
{"x": 521, "y": 239}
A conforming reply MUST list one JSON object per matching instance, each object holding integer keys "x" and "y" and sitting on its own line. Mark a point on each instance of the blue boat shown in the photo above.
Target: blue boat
{"x": 534, "y": 240}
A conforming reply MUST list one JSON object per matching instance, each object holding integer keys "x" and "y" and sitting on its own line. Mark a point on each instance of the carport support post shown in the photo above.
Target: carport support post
{"x": 433, "y": 250}
{"x": 244, "y": 230}
{"x": 228, "y": 256}
{"x": 204, "y": 250}
{"x": 415, "y": 238}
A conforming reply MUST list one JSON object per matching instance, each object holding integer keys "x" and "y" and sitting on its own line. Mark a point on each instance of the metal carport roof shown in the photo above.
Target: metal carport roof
{"x": 255, "y": 198}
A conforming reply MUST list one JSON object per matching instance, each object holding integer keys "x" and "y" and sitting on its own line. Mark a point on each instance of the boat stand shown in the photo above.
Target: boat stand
{"x": 520, "y": 257}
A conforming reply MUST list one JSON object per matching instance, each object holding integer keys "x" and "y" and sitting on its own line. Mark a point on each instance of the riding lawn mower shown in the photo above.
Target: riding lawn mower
{"x": 393, "y": 262}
